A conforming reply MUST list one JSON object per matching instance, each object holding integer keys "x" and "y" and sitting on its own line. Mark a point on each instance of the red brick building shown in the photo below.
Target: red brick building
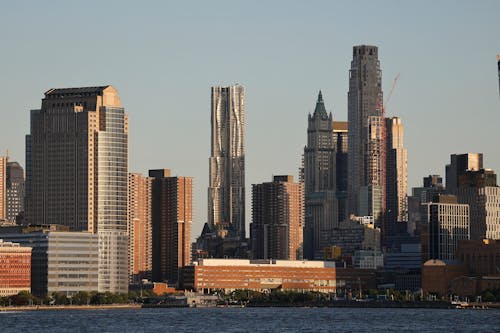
{"x": 259, "y": 275}
{"x": 481, "y": 257}
{"x": 437, "y": 274}
{"x": 172, "y": 212}
{"x": 15, "y": 268}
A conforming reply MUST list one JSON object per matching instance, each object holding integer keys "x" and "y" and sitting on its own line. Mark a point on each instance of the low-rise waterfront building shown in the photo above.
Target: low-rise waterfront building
{"x": 437, "y": 275}
{"x": 65, "y": 262}
{"x": 207, "y": 275}
{"x": 15, "y": 268}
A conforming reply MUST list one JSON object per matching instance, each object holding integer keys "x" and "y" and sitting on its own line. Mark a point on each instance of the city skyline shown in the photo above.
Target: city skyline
{"x": 278, "y": 92}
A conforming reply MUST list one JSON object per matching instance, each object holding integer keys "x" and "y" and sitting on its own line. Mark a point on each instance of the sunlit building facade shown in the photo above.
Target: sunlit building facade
{"x": 15, "y": 268}
{"x": 320, "y": 179}
{"x": 226, "y": 192}
{"x": 77, "y": 172}
{"x": 277, "y": 219}
{"x": 366, "y": 143}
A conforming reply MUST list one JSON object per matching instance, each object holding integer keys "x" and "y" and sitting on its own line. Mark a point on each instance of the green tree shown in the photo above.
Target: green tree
{"x": 60, "y": 298}
{"x": 488, "y": 296}
{"x": 81, "y": 298}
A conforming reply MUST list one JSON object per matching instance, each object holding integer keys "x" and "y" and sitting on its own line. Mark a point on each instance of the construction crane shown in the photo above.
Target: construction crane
{"x": 394, "y": 82}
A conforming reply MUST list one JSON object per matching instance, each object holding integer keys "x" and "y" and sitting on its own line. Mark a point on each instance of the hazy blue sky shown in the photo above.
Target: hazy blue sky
{"x": 163, "y": 57}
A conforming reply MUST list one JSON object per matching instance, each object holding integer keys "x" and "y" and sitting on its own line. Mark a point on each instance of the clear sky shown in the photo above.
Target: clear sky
{"x": 163, "y": 57}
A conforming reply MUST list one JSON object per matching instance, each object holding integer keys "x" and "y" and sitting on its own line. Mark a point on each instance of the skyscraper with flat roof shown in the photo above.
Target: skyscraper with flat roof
{"x": 139, "y": 227}
{"x": 397, "y": 175}
{"x": 366, "y": 144}
{"x": 15, "y": 190}
{"x": 77, "y": 172}
{"x": 172, "y": 221}
{"x": 458, "y": 166}
{"x": 226, "y": 192}
{"x": 277, "y": 219}
{"x": 447, "y": 222}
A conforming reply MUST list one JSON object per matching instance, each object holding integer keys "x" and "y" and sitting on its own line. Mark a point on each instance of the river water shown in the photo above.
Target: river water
{"x": 252, "y": 320}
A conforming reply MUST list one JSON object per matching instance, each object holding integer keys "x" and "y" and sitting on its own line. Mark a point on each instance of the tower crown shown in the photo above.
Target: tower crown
{"x": 320, "y": 107}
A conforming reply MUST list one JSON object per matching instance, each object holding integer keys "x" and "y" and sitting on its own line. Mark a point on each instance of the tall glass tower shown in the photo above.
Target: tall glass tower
{"x": 226, "y": 192}
{"x": 366, "y": 138}
{"x": 77, "y": 172}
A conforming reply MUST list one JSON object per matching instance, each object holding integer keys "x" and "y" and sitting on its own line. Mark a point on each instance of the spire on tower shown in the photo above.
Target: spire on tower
{"x": 320, "y": 107}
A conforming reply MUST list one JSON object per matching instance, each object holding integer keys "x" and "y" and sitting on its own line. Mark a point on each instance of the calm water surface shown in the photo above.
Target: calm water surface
{"x": 252, "y": 320}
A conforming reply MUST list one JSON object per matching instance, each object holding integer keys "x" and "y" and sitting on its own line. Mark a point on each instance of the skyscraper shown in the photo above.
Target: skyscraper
{"x": 447, "y": 222}
{"x": 319, "y": 180}
{"x": 77, "y": 170}
{"x": 277, "y": 219}
{"x": 226, "y": 192}
{"x": 3, "y": 187}
{"x": 140, "y": 227}
{"x": 479, "y": 189}
{"x": 340, "y": 139}
{"x": 458, "y": 166}
{"x": 397, "y": 176}
{"x": 15, "y": 190}
{"x": 366, "y": 146}
{"x": 172, "y": 220}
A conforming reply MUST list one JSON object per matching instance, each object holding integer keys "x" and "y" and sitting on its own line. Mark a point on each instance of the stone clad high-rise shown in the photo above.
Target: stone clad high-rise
{"x": 397, "y": 175}
{"x": 77, "y": 172}
{"x": 319, "y": 180}
{"x": 226, "y": 192}
{"x": 366, "y": 138}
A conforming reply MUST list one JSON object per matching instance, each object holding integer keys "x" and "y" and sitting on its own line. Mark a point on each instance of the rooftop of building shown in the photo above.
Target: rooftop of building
{"x": 340, "y": 126}
{"x": 13, "y": 246}
{"x": 80, "y": 91}
{"x": 265, "y": 262}
{"x": 442, "y": 262}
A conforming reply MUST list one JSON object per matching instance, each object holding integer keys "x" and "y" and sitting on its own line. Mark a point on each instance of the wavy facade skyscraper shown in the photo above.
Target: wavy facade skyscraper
{"x": 226, "y": 192}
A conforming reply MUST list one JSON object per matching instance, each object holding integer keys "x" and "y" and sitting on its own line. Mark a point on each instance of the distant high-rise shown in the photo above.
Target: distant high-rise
{"x": 172, "y": 219}
{"x": 140, "y": 227}
{"x": 226, "y": 192}
{"x": 447, "y": 223}
{"x": 432, "y": 188}
{"x": 3, "y": 187}
{"x": 340, "y": 139}
{"x": 397, "y": 176}
{"x": 319, "y": 180}
{"x": 433, "y": 181}
{"x": 77, "y": 172}
{"x": 277, "y": 219}
{"x": 366, "y": 144}
{"x": 15, "y": 190}
{"x": 479, "y": 190}
{"x": 458, "y": 166}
